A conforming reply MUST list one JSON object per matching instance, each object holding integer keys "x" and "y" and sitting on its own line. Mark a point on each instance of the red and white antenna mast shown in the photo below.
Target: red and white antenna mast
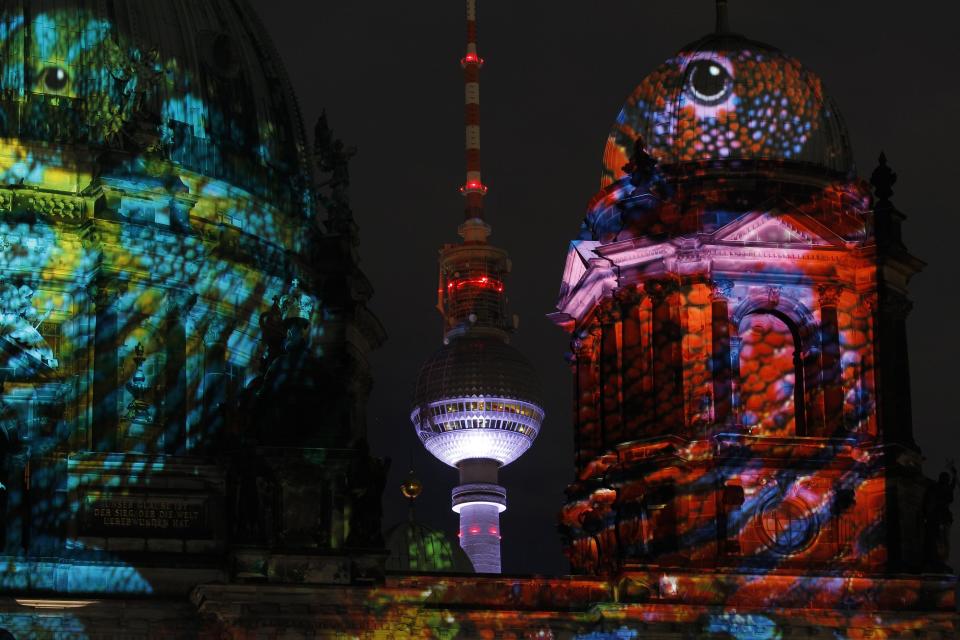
{"x": 473, "y": 189}
{"x": 502, "y": 403}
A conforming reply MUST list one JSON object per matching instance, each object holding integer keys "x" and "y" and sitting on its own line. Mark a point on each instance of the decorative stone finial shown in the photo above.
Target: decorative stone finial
{"x": 723, "y": 25}
{"x": 296, "y": 303}
{"x": 411, "y": 487}
{"x": 139, "y": 409}
{"x": 883, "y": 178}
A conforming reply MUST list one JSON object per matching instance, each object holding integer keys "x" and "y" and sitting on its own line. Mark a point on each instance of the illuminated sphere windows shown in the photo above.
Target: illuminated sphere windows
{"x": 477, "y": 397}
{"x": 477, "y": 407}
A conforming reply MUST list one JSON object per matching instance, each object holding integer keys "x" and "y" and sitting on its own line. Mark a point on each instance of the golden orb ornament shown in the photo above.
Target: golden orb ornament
{"x": 411, "y": 487}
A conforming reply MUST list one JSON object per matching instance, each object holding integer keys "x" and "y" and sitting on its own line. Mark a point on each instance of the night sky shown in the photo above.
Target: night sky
{"x": 555, "y": 77}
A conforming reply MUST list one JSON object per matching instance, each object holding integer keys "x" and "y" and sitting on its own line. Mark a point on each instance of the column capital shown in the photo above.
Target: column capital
{"x": 177, "y": 303}
{"x": 609, "y": 314}
{"x": 215, "y": 331}
{"x": 896, "y": 305}
{"x": 629, "y": 295}
{"x": 829, "y": 294}
{"x": 105, "y": 292}
{"x": 660, "y": 288}
{"x": 720, "y": 289}
{"x": 595, "y": 330}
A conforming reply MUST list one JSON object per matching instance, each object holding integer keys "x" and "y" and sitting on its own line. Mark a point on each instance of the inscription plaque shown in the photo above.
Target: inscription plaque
{"x": 154, "y": 516}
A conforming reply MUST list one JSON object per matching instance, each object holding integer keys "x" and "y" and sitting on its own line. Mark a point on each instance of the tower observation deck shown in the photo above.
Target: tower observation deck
{"x": 477, "y": 402}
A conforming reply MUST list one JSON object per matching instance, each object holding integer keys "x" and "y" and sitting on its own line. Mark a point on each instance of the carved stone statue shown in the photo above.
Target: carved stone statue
{"x": 139, "y": 409}
{"x": 333, "y": 159}
{"x": 644, "y": 173}
{"x": 123, "y": 120}
{"x": 937, "y": 518}
{"x": 272, "y": 333}
{"x": 297, "y": 385}
{"x": 643, "y": 209}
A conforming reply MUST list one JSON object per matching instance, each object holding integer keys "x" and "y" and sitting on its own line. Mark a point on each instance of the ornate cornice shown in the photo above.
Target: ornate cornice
{"x": 57, "y": 206}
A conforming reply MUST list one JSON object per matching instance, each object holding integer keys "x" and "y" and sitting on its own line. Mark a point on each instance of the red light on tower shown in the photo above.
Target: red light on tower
{"x": 476, "y": 329}
{"x": 474, "y": 186}
{"x": 471, "y": 58}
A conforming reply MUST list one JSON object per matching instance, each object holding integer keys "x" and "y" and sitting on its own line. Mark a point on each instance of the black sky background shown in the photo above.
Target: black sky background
{"x": 555, "y": 77}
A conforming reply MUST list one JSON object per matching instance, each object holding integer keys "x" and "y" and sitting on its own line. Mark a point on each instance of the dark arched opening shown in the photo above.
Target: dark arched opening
{"x": 771, "y": 371}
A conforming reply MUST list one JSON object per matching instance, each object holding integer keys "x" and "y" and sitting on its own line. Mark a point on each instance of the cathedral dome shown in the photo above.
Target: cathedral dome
{"x": 416, "y": 547}
{"x": 725, "y": 97}
{"x": 197, "y": 84}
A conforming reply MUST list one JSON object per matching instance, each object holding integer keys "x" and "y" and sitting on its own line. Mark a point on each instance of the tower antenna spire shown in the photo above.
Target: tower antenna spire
{"x": 473, "y": 189}
{"x": 723, "y": 24}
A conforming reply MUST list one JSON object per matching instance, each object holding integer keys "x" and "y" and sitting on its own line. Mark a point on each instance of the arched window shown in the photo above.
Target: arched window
{"x": 771, "y": 395}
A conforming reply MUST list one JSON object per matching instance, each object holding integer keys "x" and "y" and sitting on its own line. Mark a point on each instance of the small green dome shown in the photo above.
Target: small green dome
{"x": 416, "y": 547}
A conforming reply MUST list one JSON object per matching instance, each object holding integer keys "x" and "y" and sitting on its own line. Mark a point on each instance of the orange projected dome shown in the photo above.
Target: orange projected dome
{"x": 725, "y": 97}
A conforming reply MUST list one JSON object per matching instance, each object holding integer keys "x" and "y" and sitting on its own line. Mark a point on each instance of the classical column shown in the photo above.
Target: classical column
{"x": 895, "y": 415}
{"x": 215, "y": 381}
{"x": 831, "y": 378}
{"x": 611, "y": 394}
{"x": 634, "y": 362}
{"x": 736, "y": 344}
{"x": 587, "y": 427}
{"x": 667, "y": 356}
{"x": 721, "y": 366}
{"x": 175, "y": 372}
{"x": 105, "y": 369}
{"x": 867, "y": 405}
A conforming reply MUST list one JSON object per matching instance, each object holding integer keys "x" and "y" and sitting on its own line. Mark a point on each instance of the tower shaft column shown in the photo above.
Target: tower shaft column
{"x": 480, "y": 536}
{"x": 479, "y": 501}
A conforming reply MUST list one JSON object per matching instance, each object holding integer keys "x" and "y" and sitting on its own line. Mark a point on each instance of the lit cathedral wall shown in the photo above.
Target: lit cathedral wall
{"x": 154, "y": 211}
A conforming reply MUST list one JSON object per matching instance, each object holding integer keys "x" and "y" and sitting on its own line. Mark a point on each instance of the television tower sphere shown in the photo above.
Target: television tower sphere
{"x": 477, "y": 401}
{"x": 477, "y": 398}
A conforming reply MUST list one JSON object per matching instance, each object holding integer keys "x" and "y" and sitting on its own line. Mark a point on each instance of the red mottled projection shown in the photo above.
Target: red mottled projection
{"x": 732, "y": 102}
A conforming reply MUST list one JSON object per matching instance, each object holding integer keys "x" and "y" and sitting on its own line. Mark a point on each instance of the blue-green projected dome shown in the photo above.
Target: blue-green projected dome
{"x": 195, "y": 83}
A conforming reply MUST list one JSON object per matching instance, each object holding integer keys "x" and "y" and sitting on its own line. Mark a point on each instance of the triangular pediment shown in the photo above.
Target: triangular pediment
{"x": 578, "y": 257}
{"x": 778, "y": 227}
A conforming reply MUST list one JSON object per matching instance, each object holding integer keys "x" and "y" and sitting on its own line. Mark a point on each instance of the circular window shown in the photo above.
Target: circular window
{"x": 788, "y": 525}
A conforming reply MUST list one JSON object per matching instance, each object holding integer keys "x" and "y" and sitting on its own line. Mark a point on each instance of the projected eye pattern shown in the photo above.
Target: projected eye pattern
{"x": 198, "y": 250}
{"x": 727, "y": 415}
{"x": 708, "y": 105}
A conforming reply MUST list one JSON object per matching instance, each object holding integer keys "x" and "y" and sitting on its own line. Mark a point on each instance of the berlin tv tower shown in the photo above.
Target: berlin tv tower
{"x": 477, "y": 402}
